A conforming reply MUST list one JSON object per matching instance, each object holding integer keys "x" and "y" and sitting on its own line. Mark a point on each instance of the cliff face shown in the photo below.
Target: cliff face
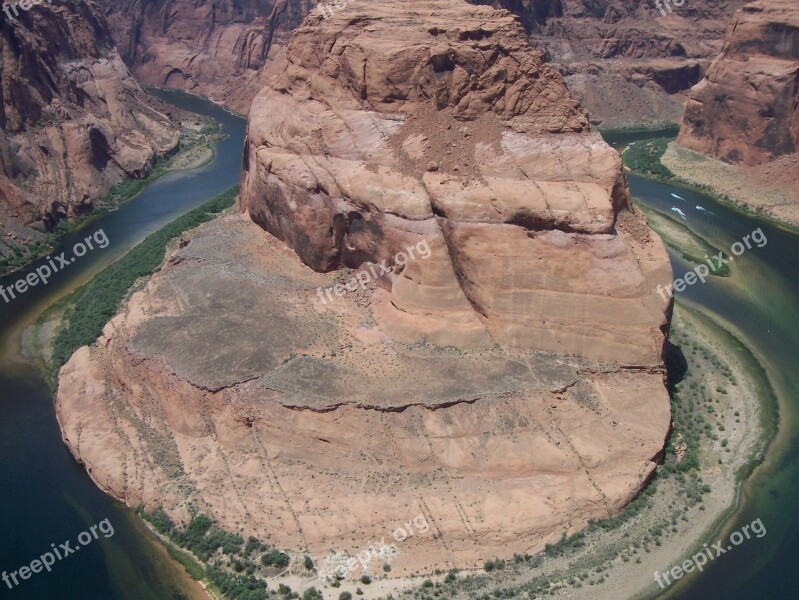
{"x": 213, "y": 48}
{"x": 74, "y": 122}
{"x": 505, "y": 381}
{"x": 746, "y": 109}
{"x": 626, "y": 62}
{"x": 378, "y": 133}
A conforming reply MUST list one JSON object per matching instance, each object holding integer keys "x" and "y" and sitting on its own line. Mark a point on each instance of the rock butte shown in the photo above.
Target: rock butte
{"x": 510, "y": 386}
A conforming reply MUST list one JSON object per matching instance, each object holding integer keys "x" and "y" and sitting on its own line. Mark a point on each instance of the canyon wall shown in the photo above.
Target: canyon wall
{"x": 746, "y": 109}
{"x": 627, "y": 63}
{"x": 74, "y": 122}
{"x": 216, "y": 49}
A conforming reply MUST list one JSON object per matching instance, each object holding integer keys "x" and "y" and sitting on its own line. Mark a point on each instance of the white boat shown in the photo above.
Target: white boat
{"x": 679, "y": 212}
{"x": 679, "y": 197}
{"x": 704, "y": 210}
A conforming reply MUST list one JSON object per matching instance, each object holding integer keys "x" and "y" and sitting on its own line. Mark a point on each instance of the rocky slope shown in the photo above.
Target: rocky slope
{"x": 216, "y": 49}
{"x": 626, "y": 62}
{"x": 74, "y": 122}
{"x": 506, "y": 382}
{"x": 746, "y": 109}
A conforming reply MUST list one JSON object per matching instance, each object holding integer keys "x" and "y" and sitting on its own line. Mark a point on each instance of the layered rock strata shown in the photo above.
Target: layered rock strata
{"x": 628, "y": 63}
{"x": 460, "y": 135}
{"x": 74, "y": 122}
{"x": 506, "y": 382}
{"x": 216, "y": 49}
{"x": 746, "y": 109}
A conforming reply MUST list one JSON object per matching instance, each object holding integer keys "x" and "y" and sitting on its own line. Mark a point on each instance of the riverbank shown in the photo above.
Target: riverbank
{"x": 194, "y": 151}
{"x": 681, "y": 239}
{"x": 78, "y": 319}
{"x": 769, "y": 190}
{"x": 662, "y": 159}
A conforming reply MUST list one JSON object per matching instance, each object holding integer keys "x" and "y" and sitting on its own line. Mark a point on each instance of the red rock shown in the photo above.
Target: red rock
{"x": 746, "y": 109}
{"x": 74, "y": 121}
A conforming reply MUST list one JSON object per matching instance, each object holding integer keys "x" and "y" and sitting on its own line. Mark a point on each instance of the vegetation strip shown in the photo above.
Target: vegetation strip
{"x": 643, "y": 158}
{"x": 119, "y": 194}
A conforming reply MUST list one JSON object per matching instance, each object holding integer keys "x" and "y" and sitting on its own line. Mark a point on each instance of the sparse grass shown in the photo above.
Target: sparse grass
{"x": 92, "y": 305}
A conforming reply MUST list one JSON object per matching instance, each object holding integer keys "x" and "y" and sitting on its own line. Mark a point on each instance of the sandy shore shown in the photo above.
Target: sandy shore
{"x": 770, "y": 189}
{"x": 193, "y": 158}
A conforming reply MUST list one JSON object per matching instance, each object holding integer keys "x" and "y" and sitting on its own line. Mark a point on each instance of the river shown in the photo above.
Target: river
{"x": 48, "y": 498}
{"x": 758, "y": 304}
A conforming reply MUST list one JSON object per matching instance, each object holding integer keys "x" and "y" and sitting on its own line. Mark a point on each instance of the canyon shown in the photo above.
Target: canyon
{"x": 746, "y": 109}
{"x": 623, "y": 65}
{"x": 510, "y": 387}
{"x": 216, "y": 49}
{"x": 625, "y": 62}
{"x": 74, "y": 121}
{"x": 740, "y": 130}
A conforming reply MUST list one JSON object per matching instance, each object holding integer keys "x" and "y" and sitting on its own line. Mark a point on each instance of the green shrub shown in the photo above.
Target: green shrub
{"x": 240, "y": 587}
{"x": 312, "y": 594}
{"x": 275, "y": 558}
{"x": 644, "y": 158}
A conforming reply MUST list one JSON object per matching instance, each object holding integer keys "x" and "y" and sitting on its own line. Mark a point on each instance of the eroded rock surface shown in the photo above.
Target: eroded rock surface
{"x": 74, "y": 122}
{"x": 228, "y": 387}
{"x": 507, "y": 382}
{"x": 746, "y": 109}
{"x": 628, "y": 63}
{"x": 216, "y": 49}
{"x": 380, "y": 133}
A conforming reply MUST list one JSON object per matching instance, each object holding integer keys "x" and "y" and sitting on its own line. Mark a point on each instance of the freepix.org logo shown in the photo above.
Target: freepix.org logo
{"x": 43, "y": 273}
{"x": 12, "y": 8}
{"x": 364, "y": 277}
{"x": 48, "y": 559}
{"x": 701, "y": 558}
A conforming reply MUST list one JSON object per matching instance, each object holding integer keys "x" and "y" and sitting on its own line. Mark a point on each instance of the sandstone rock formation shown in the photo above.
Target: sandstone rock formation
{"x": 627, "y": 63}
{"x": 216, "y": 49}
{"x": 746, "y": 109}
{"x": 228, "y": 388}
{"x": 74, "y": 122}
{"x": 370, "y": 141}
{"x": 508, "y": 383}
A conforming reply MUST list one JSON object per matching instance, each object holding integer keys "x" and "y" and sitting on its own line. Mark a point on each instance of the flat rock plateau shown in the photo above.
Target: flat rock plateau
{"x": 507, "y": 382}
